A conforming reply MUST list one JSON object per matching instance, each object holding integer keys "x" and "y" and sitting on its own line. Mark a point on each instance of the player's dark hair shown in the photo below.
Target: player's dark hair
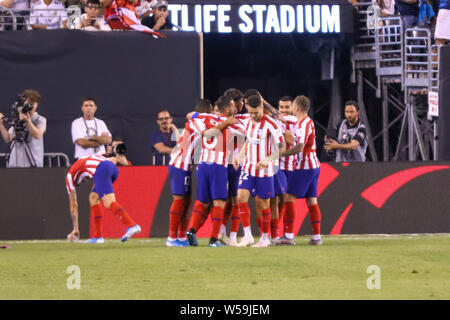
{"x": 303, "y": 102}
{"x": 97, "y": 2}
{"x": 254, "y": 101}
{"x": 251, "y": 92}
{"x": 234, "y": 94}
{"x": 286, "y": 98}
{"x": 223, "y": 102}
{"x": 203, "y": 106}
{"x": 352, "y": 103}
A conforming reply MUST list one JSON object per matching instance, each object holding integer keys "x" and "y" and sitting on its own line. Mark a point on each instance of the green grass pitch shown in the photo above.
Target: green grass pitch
{"x": 410, "y": 267}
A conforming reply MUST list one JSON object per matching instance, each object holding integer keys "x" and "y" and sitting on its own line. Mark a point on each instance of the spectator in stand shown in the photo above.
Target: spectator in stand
{"x": 91, "y": 20}
{"x": 161, "y": 139}
{"x": 409, "y": 11}
{"x": 160, "y": 19}
{"x": 144, "y": 9}
{"x": 442, "y": 34}
{"x": 20, "y": 9}
{"x": 387, "y": 7}
{"x": 48, "y": 14}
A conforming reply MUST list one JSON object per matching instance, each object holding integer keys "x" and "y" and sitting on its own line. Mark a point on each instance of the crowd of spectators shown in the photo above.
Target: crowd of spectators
{"x": 78, "y": 14}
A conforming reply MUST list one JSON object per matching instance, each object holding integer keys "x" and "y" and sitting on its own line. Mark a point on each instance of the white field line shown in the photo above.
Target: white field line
{"x": 327, "y": 237}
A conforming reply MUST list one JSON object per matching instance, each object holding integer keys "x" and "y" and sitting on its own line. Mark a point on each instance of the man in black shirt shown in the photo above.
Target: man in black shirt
{"x": 160, "y": 19}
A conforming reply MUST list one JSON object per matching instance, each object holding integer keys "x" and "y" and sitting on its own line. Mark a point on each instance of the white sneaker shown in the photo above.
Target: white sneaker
{"x": 261, "y": 244}
{"x": 232, "y": 243}
{"x": 95, "y": 240}
{"x": 246, "y": 241}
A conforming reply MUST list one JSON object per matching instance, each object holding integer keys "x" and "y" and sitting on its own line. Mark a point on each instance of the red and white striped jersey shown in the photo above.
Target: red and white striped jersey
{"x": 263, "y": 138}
{"x": 216, "y": 149}
{"x": 239, "y": 141}
{"x": 306, "y": 134}
{"x": 82, "y": 169}
{"x": 183, "y": 156}
{"x": 288, "y": 163}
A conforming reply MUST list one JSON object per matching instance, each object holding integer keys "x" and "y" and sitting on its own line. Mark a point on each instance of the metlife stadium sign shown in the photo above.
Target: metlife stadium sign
{"x": 252, "y": 16}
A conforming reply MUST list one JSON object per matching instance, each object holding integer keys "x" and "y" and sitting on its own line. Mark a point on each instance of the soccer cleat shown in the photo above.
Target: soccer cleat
{"x": 224, "y": 239}
{"x": 283, "y": 241}
{"x": 216, "y": 244}
{"x": 261, "y": 244}
{"x": 95, "y": 240}
{"x": 246, "y": 241}
{"x": 192, "y": 238}
{"x": 232, "y": 243}
{"x": 315, "y": 242}
{"x": 173, "y": 243}
{"x": 183, "y": 243}
{"x": 131, "y": 231}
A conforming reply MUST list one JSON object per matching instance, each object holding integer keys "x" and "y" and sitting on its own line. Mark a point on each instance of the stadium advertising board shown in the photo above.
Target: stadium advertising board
{"x": 264, "y": 17}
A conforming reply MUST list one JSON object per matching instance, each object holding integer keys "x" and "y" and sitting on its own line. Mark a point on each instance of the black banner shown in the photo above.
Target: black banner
{"x": 444, "y": 98}
{"x": 289, "y": 17}
{"x": 130, "y": 74}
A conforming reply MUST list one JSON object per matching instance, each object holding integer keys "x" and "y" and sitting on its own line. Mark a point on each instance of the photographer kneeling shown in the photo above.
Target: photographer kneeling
{"x": 26, "y": 132}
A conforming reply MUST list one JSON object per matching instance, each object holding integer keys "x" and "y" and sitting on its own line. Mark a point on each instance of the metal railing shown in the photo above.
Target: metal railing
{"x": 389, "y": 47}
{"x": 434, "y": 68}
{"x": 51, "y": 159}
{"x": 417, "y": 69}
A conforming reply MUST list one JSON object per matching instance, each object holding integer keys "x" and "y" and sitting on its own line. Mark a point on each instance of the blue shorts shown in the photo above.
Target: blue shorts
{"x": 212, "y": 182}
{"x": 280, "y": 182}
{"x": 303, "y": 183}
{"x": 104, "y": 177}
{"x": 180, "y": 181}
{"x": 233, "y": 180}
{"x": 259, "y": 186}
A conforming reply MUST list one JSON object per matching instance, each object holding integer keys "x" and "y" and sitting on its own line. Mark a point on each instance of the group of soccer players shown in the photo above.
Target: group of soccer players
{"x": 244, "y": 147}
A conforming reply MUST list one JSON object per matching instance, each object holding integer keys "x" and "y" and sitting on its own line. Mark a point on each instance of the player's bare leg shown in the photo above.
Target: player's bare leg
{"x": 244, "y": 213}
{"x": 315, "y": 218}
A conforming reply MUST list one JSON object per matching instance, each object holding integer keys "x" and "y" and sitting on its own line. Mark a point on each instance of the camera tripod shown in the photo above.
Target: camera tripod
{"x": 27, "y": 149}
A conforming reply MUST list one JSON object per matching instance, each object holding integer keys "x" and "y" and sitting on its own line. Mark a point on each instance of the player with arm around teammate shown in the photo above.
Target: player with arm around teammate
{"x": 103, "y": 171}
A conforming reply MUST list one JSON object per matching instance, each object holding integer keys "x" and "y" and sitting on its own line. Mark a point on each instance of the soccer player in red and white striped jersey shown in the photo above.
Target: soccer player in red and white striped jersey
{"x": 303, "y": 181}
{"x": 212, "y": 171}
{"x": 104, "y": 172}
{"x": 264, "y": 137}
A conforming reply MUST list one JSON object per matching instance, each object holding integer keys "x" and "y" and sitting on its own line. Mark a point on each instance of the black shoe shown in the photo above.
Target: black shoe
{"x": 192, "y": 238}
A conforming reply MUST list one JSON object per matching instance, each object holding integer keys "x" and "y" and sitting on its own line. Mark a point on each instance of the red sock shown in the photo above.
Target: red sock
{"x": 289, "y": 217}
{"x": 281, "y": 211}
{"x": 235, "y": 219}
{"x": 227, "y": 213}
{"x": 119, "y": 211}
{"x": 198, "y": 216}
{"x": 175, "y": 213}
{"x": 274, "y": 228}
{"x": 217, "y": 220}
{"x": 265, "y": 216}
{"x": 315, "y": 218}
{"x": 259, "y": 222}
{"x": 244, "y": 213}
{"x": 184, "y": 219}
{"x": 97, "y": 220}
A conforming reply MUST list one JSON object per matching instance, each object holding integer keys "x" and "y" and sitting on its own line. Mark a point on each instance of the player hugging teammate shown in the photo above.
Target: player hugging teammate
{"x": 241, "y": 155}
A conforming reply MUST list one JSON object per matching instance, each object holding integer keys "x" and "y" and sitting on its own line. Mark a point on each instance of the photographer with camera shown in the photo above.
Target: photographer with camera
{"x": 351, "y": 137}
{"x": 26, "y": 132}
{"x": 91, "y": 20}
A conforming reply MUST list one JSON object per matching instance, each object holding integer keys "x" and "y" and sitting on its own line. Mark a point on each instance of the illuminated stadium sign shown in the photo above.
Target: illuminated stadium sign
{"x": 262, "y": 18}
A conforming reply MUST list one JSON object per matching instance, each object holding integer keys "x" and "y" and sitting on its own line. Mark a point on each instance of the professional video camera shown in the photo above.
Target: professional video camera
{"x": 19, "y": 106}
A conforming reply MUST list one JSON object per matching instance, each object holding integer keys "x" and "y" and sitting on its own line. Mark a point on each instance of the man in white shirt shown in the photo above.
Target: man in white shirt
{"x": 89, "y": 134}
{"x": 91, "y": 21}
{"x": 48, "y": 14}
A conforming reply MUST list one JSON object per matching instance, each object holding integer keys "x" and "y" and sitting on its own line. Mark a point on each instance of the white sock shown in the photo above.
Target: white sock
{"x": 223, "y": 229}
{"x": 316, "y": 237}
{"x": 171, "y": 239}
{"x": 289, "y": 235}
{"x": 233, "y": 236}
{"x": 182, "y": 239}
{"x": 265, "y": 237}
{"x": 248, "y": 232}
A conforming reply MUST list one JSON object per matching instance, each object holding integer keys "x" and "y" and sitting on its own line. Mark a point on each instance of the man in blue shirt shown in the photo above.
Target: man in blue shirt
{"x": 409, "y": 11}
{"x": 161, "y": 139}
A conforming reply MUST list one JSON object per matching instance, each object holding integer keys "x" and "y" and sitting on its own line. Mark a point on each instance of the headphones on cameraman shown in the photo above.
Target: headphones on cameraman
{"x": 119, "y": 149}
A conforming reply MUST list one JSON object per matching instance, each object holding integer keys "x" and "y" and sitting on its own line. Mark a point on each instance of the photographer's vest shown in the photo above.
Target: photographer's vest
{"x": 346, "y": 135}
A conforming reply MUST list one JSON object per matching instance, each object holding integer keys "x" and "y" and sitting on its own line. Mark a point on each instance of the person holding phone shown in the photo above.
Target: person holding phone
{"x": 92, "y": 20}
